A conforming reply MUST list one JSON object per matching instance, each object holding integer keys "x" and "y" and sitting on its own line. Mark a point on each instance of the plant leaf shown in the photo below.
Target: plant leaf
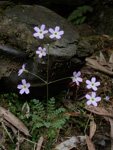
{"x": 13, "y": 120}
{"x": 100, "y": 111}
{"x": 89, "y": 143}
{"x": 92, "y": 128}
{"x": 111, "y": 58}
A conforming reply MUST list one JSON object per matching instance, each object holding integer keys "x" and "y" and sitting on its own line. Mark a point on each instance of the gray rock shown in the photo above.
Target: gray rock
{"x": 18, "y": 46}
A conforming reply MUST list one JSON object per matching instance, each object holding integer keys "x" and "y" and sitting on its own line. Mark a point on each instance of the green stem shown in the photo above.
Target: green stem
{"x": 48, "y": 73}
{"x": 35, "y": 76}
{"x": 42, "y": 84}
{"x": 59, "y": 80}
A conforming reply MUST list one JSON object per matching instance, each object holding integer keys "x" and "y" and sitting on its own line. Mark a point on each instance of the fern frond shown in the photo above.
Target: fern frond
{"x": 47, "y": 124}
{"x": 50, "y": 106}
{"x": 39, "y": 108}
{"x": 58, "y": 123}
{"x": 37, "y": 125}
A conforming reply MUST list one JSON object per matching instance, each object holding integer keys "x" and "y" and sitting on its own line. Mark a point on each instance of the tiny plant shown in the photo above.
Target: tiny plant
{"x": 48, "y": 116}
{"x": 78, "y": 15}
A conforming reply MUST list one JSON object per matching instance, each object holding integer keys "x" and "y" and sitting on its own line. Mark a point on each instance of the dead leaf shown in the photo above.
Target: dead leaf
{"x": 26, "y": 110}
{"x": 71, "y": 143}
{"x": 111, "y": 123}
{"x": 92, "y": 128}
{"x": 39, "y": 144}
{"x": 89, "y": 143}
{"x": 77, "y": 114}
{"x": 99, "y": 111}
{"x": 15, "y": 130}
{"x": 111, "y": 58}
{"x": 102, "y": 59}
{"x": 12, "y": 119}
{"x": 95, "y": 65}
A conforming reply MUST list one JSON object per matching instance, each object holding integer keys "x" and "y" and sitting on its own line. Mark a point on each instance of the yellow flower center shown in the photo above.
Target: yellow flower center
{"x": 40, "y": 32}
{"x": 25, "y": 87}
{"x": 55, "y": 33}
{"x": 92, "y": 84}
{"x": 92, "y": 99}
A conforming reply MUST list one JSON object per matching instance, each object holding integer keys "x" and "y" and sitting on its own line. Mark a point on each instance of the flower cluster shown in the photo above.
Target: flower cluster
{"x": 40, "y": 32}
{"x": 54, "y": 33}
{"x": 92, "y": 99}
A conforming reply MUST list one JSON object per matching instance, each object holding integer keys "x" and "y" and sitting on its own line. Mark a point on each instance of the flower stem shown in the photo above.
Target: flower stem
{"x": 59, "y": 80}
{"x": 35, "y": 76}
{"x": 48, "y": 73}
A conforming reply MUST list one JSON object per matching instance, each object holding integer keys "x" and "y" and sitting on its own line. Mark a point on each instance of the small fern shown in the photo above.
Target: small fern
{"x": 77, "y": 16}
{"x": 38, "y": 106}
{"x": 48, "y": 116}
{"x": 51, "y": 105}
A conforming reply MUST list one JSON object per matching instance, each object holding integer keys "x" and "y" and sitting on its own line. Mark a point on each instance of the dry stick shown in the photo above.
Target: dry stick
{"x": 87, "y": 123}
{"x": 7, "y": 132}
{"x": 31, "y": 142}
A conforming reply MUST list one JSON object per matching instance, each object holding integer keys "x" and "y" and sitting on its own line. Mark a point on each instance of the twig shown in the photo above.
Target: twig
{"x": 7, "y": 131}
{"x": 87, "y": 123}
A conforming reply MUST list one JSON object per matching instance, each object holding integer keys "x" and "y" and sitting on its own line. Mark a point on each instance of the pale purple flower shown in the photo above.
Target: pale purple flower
{"x": 56, "y": 33}
{"x": 76, "y": 77}
{"x": 40, "y": 31}
{"x": 21, "y": 70}
{"x": 41, "y": 52}
{"x": 24, "y": 87}
{"x": 107, "y": 98}
{"x": 92, "y": 84}
{"x": 92, "y": 99}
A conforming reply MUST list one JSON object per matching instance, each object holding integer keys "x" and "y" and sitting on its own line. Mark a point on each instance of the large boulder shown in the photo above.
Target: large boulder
{"x": 18, "y": 46}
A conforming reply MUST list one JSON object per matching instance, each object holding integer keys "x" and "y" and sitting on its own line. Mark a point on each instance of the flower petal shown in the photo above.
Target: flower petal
{"x": 79, "y": 79}
{"x": 61, "y": 32}
{"x": 78, "y": 73}
{"x": 22, "y": 91}
{"x": 20, "y": 86}
{"x": 23, "y": 81}
{"x": 93, "y": 94}
{"x": 97, "y": 99}
{"x": 88, "y": 82}
{"x": 42, "y": 27}
{"x": 41, "y": 36}
{"x": 74, "y": 73}
{"x": 97, "y": 83}
{"x": 57, "y": 28}
{"x": 88, "y": 102}
{"x": 93, "y": 79}
{"x": 94, "y": 88}
{"x": 94, "y": 103}
{"x": 51, "y": 30}
{"x": 77, "y": 82}
{"x": 37, "y": 52}
{"x": 20, "y": 72}
{"x": 88, "y": 96}
{"x": 36, "y": 29}
{"x": 28, "y": 85}
{"x": 89, "y": 86}
{"x": 40, "y": 48}
{"x": 58, "y": 37}
{"x": 52, "y": 36}
{"x": 45, "y": 31}
{"x": 27, "y": 91}
{"x": 35, "y": 34}
{"x": 44, "y": 49}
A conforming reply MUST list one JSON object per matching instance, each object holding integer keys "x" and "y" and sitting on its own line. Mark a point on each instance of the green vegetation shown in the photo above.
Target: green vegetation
{"x": 78, "y": 16}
